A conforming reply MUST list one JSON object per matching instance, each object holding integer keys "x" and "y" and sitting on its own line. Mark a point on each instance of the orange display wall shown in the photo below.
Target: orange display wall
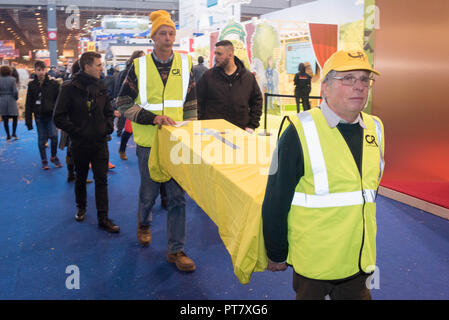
{"x": 412, "y": 54}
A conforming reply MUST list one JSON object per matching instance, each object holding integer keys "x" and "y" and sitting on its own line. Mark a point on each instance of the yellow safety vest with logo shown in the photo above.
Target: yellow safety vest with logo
{"x": 332, "y": 219}
{"x": 155, "y": 97}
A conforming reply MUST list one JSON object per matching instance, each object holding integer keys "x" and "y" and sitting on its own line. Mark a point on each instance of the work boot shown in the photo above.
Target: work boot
{"x": 80, "y": 215}
{"x": 108, "y": 225}
{"x": 183, "y": 263}
{"x": 144, "y": 235}
{"x": 123, "y": 155}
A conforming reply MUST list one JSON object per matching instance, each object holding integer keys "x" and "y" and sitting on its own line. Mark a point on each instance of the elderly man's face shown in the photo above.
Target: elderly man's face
{"x": 347, "y": 101}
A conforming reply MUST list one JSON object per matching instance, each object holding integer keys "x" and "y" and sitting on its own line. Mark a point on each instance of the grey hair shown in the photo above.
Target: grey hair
{"x": 329, "y": 77}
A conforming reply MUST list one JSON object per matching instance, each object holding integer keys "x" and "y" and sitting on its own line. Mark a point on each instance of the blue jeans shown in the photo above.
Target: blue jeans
{"x": 148, "y": 192}
{"x": 46, "y": 129}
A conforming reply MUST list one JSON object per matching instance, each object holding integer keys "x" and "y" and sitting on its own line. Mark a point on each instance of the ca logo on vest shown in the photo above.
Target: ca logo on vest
{"x": 371, "y": 140}
{"x": 176, "y": 72}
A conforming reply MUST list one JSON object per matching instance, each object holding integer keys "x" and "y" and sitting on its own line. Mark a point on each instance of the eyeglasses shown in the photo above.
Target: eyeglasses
{"x": 350, "y": 80}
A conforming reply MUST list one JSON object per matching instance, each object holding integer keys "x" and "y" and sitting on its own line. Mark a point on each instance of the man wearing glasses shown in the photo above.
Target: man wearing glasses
{"x": 319, "y": 210}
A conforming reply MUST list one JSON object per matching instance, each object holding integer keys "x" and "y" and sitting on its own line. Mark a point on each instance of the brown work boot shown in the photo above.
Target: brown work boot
{"x": 123, "y": 155}
{"x": 183, "y": 263}
{"x": 143, "y": 235}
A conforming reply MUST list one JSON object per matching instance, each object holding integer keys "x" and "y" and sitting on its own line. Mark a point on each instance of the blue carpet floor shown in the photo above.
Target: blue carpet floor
{"x": 39, "y": 239}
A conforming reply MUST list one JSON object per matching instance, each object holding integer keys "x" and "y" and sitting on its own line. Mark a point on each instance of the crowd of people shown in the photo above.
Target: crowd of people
{"x": 319, "y": 206}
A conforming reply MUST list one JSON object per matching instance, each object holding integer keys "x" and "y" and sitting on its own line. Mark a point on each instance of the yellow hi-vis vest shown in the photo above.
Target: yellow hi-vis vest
{"x": 332, "y": 219}
{"x": 154, "y": 96}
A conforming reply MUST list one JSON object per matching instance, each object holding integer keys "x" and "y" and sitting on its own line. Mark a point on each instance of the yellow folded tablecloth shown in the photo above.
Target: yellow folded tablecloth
{"x": 225, "y": 170}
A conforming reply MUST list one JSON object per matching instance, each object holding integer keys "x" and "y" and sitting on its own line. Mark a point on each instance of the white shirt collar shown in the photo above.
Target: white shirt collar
{"x": 333, "y": 119}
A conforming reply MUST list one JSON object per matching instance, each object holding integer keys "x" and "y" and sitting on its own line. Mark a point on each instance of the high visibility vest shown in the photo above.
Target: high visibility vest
{"x": 154, "y": 96}
{"x": 332, "y": 218}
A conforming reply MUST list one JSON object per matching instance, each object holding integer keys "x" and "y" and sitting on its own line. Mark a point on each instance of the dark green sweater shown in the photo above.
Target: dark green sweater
{"x": 281, "y": 185}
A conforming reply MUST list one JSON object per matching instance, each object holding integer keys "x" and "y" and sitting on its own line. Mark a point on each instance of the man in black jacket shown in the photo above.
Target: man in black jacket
{"x": 229, "y": 91}
{"x": 84, "y": 111}
{"x": 41, "y": 98}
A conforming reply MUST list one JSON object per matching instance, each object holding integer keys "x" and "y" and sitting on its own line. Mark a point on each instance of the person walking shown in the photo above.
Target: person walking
{"x": 319, "y": 210}
{"x": 40, "y": 101}
{"x": 199, "y": 69}
{"x": 303, "y": 87}
{"x": 84, "y": 111}
{"x": 126, "y": 129}
{"x": 8, "y": 101}
{"x": 159, "y": 90}
{"x": 229, "y": 91}
{"x": 65, "y": 138}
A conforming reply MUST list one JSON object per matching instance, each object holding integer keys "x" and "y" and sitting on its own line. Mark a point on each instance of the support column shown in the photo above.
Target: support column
{"x": 52, "y": 33}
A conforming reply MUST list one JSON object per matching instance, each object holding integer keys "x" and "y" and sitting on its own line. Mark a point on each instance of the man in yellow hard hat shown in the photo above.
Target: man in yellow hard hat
{"x": 159, "y": 90}
{"x": 319, "y": 211}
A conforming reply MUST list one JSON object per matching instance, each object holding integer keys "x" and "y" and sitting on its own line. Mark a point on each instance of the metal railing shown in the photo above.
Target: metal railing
{"x": 266, "y": 95}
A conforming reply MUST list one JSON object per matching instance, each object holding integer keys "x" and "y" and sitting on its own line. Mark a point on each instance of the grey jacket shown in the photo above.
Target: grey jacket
{"x": 8, "y": 96}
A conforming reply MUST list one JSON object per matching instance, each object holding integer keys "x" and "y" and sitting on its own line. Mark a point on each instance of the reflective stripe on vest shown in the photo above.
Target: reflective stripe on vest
{"x": 142, "y": 83}
{"x": 341, "y": 199}
{"x": 379, "y": 137}
{"x": 322, "y": 198}
{"x": 158, "y": 98}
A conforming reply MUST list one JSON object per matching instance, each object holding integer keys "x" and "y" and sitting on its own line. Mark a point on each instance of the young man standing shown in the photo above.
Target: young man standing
{"x": 41, "y": 98}
{"x": 84, "y": 111}
{"x": 229, "y": 91}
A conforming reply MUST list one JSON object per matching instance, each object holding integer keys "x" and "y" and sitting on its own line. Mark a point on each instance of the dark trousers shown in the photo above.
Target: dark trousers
{"x": 6, "y": 125}
{"x": 124, "y": 140}
{"x": 305, "y": 101}
{"x": 98, "y": 156}
{"x": 310, "y": 289}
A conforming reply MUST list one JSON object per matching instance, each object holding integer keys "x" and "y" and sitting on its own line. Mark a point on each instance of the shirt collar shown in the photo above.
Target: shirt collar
{"x": 333, "y": 119}
{"x": 161, "y": 61}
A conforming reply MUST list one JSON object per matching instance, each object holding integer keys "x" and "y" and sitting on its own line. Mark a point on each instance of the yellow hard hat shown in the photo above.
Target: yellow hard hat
{"x": 346, "y": 61}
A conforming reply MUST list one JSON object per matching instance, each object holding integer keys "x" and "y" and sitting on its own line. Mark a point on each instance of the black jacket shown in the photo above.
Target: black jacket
{"x": 236, "y": 99}
{"x": 46, "y": 94}
{"x": 85, "y": 126}
{"x": 302, "y": 83}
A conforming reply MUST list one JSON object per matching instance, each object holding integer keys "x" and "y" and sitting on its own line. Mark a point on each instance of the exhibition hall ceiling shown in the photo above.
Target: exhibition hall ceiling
{"x": 26, "y": 21}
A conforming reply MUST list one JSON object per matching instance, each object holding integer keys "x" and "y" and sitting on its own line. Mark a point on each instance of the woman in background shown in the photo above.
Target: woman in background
{"x": 8, "y": 101}
{"x": 302, "y": 87}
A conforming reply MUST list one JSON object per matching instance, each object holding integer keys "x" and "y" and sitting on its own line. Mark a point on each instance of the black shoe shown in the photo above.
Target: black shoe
{"x": 108, "y": 225}
{"x": 80, "y": 215}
